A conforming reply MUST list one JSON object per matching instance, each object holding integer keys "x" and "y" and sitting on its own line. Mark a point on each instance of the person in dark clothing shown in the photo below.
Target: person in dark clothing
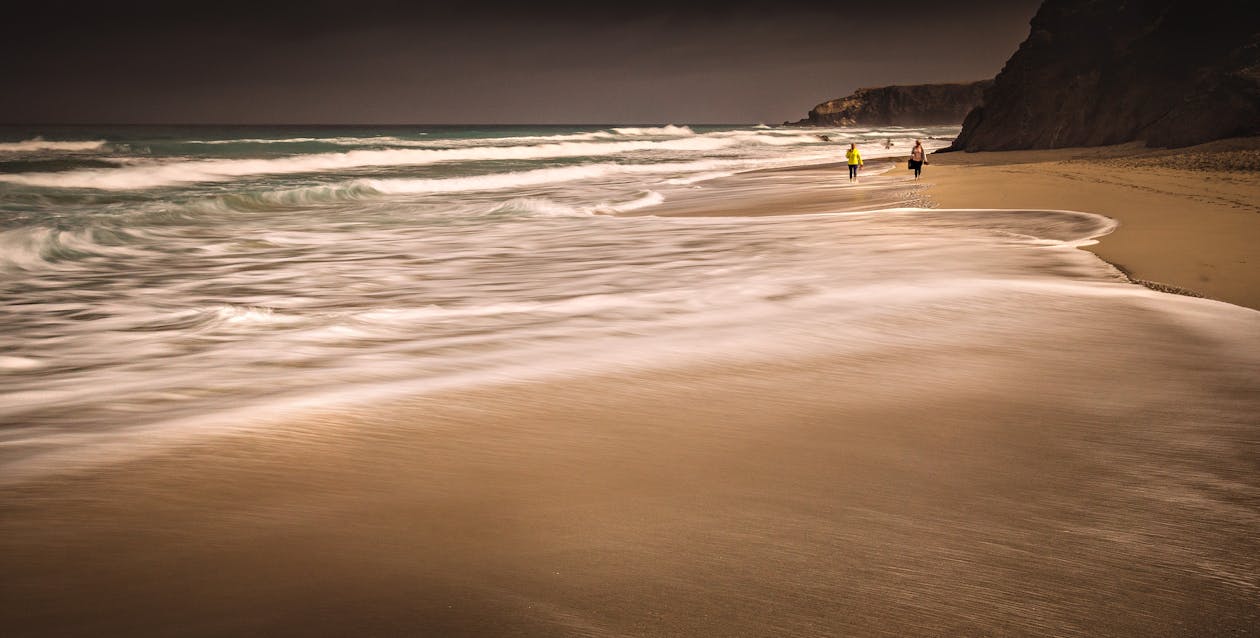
{"x": 918, "y": 157}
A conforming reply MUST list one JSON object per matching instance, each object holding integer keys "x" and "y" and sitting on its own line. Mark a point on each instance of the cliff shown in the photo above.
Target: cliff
{"x": 911, "y": 105}
{"x": 1094, "y": 72}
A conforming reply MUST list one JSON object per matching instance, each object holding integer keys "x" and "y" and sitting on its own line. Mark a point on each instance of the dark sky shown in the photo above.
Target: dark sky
{"x": 388, "y": 61}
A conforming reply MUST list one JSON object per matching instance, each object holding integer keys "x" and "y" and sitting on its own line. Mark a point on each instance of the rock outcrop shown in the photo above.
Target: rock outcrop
{"x": 1169, "y": 73}
{"x": 910, "y": 105}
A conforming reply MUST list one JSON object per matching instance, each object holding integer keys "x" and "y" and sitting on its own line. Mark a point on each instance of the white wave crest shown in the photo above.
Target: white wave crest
{"x": 390, "y": 140}
{"x": 387, "y": 140}
{"x": 362, "y": 189}
{"x": 19, "y": 363}
{"x": 239, "y": 314}
{"x": 379, "y": 140}
{"x": 651, "y": 198}
{"x": 538, "y": 207}
{"x": 543, "y": 207}
{"x": 536, "y": 177}
{"x": 495, "y": 181}
{"x": 769, "y": 138}
{"x": 142, "y": 176}
{"x": 288, "y": 140}
{"x": 699, "y": 177}
{"x": 22, "y": 248}
{"x": 668, "y": 129}
{"x": 35, "y": 248}
{"x": 41, "y": 144}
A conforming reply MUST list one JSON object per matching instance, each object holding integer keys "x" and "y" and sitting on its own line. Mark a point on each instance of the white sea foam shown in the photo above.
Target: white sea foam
{"x": 667, "y": 143}
{"x": 138, "y": 307}
{"x": 538, "y": 177}
{"x": 651, "y": 198}
{"x": 543, "y": 207}
{"x": 295, "y": 140}
{"x": 527, "y": 139}
{"x": 391, "y": 140}
{"x": 684, "y": 173}
{"x": 773, "y": 139}
{"x": 41, "y": 144}
{"x": 330, "y": 302}
{"x": 669, "y": 129}
{"x": 538, "y": 207}
{"x": 164, "y": 174}
{"x": 19, "y": 363}
{"x": 377, "y": 140}
{"x": 699, "y": 177}
{"x": 22, "y": 248}
{"x": 236, "y": 314}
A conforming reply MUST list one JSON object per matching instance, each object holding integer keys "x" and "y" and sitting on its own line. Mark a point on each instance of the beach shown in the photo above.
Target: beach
{"x": 932, "y": 419}
{"x": 1187, "y": 216}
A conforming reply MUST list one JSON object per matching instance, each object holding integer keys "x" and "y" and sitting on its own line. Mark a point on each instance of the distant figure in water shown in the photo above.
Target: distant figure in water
{"x": 917, "y": 158}
{"x": 855, "y": 161}
{"x": 825, "y": 138}
{"x": 888, "y": 143}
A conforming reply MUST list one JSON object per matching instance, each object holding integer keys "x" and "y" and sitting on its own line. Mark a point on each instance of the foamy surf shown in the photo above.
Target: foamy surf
{"x": 37, "y": 144}
{"x": 649, "y": 144}
{"x": 170, "y": 173}
{"x": 543, "y": 176}
{"x": 196, "y": 276}
{"x": 509, "y": 398}
{"x": 316, "y": 306}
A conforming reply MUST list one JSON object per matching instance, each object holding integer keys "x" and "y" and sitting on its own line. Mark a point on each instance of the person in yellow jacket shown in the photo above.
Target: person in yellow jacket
{"x": 855, "y": 161}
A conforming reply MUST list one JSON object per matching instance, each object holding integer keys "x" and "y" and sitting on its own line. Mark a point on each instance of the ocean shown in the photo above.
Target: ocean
{"x": 475, "y": 381}
{"x": 155, "y": 277}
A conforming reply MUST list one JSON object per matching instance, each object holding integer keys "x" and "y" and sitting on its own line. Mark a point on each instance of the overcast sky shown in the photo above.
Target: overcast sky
{"x": 389, "y": 61}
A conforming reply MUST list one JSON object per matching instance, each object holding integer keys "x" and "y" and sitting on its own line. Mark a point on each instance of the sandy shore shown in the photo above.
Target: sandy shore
{"x": 1189, "y": 218}
{"x": 1023, "y": 488}
{"x": 811, "y": 498}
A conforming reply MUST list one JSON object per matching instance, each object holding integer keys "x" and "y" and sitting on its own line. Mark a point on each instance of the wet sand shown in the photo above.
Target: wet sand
{"x": 1189, "y": 218}
{"x": 796, "y": 191}
{"x": 815, "y": 498}
{"x": 1031, "y": 488}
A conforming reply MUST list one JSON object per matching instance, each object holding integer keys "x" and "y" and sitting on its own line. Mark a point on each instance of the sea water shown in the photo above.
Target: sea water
{"x": 159, "y": 283}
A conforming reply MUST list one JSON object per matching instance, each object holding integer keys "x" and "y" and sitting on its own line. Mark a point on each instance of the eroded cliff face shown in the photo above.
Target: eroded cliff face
{"x": 910, "y": 105}
{"x": 1095, "y": 72}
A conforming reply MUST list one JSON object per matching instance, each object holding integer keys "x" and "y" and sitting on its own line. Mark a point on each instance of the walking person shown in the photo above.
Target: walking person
{"x": 917, "y": 158}
{"x": 855, "y": 161}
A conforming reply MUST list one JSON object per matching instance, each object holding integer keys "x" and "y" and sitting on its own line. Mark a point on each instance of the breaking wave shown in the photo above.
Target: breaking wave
{"x": 654, "y": 130}
{"x": 40, "y": 144}
{"x": 683, "y": 173}
{"x": 670, "y": 130}
{"x": 538, "y": 177}
{"x": 142, "y": 176}
{"x": 38, "y": 248}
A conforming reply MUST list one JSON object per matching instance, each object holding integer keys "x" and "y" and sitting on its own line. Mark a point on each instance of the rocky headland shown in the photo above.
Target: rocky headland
{"x": 908, "y": 105}
{"x": 1169, "y": 73}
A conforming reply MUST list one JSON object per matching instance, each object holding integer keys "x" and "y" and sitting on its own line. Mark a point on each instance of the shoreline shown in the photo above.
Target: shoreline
{"x": 805, "y": 496}
{"x": 1189, "y": 219}
{"x": 1052, "y": 477}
